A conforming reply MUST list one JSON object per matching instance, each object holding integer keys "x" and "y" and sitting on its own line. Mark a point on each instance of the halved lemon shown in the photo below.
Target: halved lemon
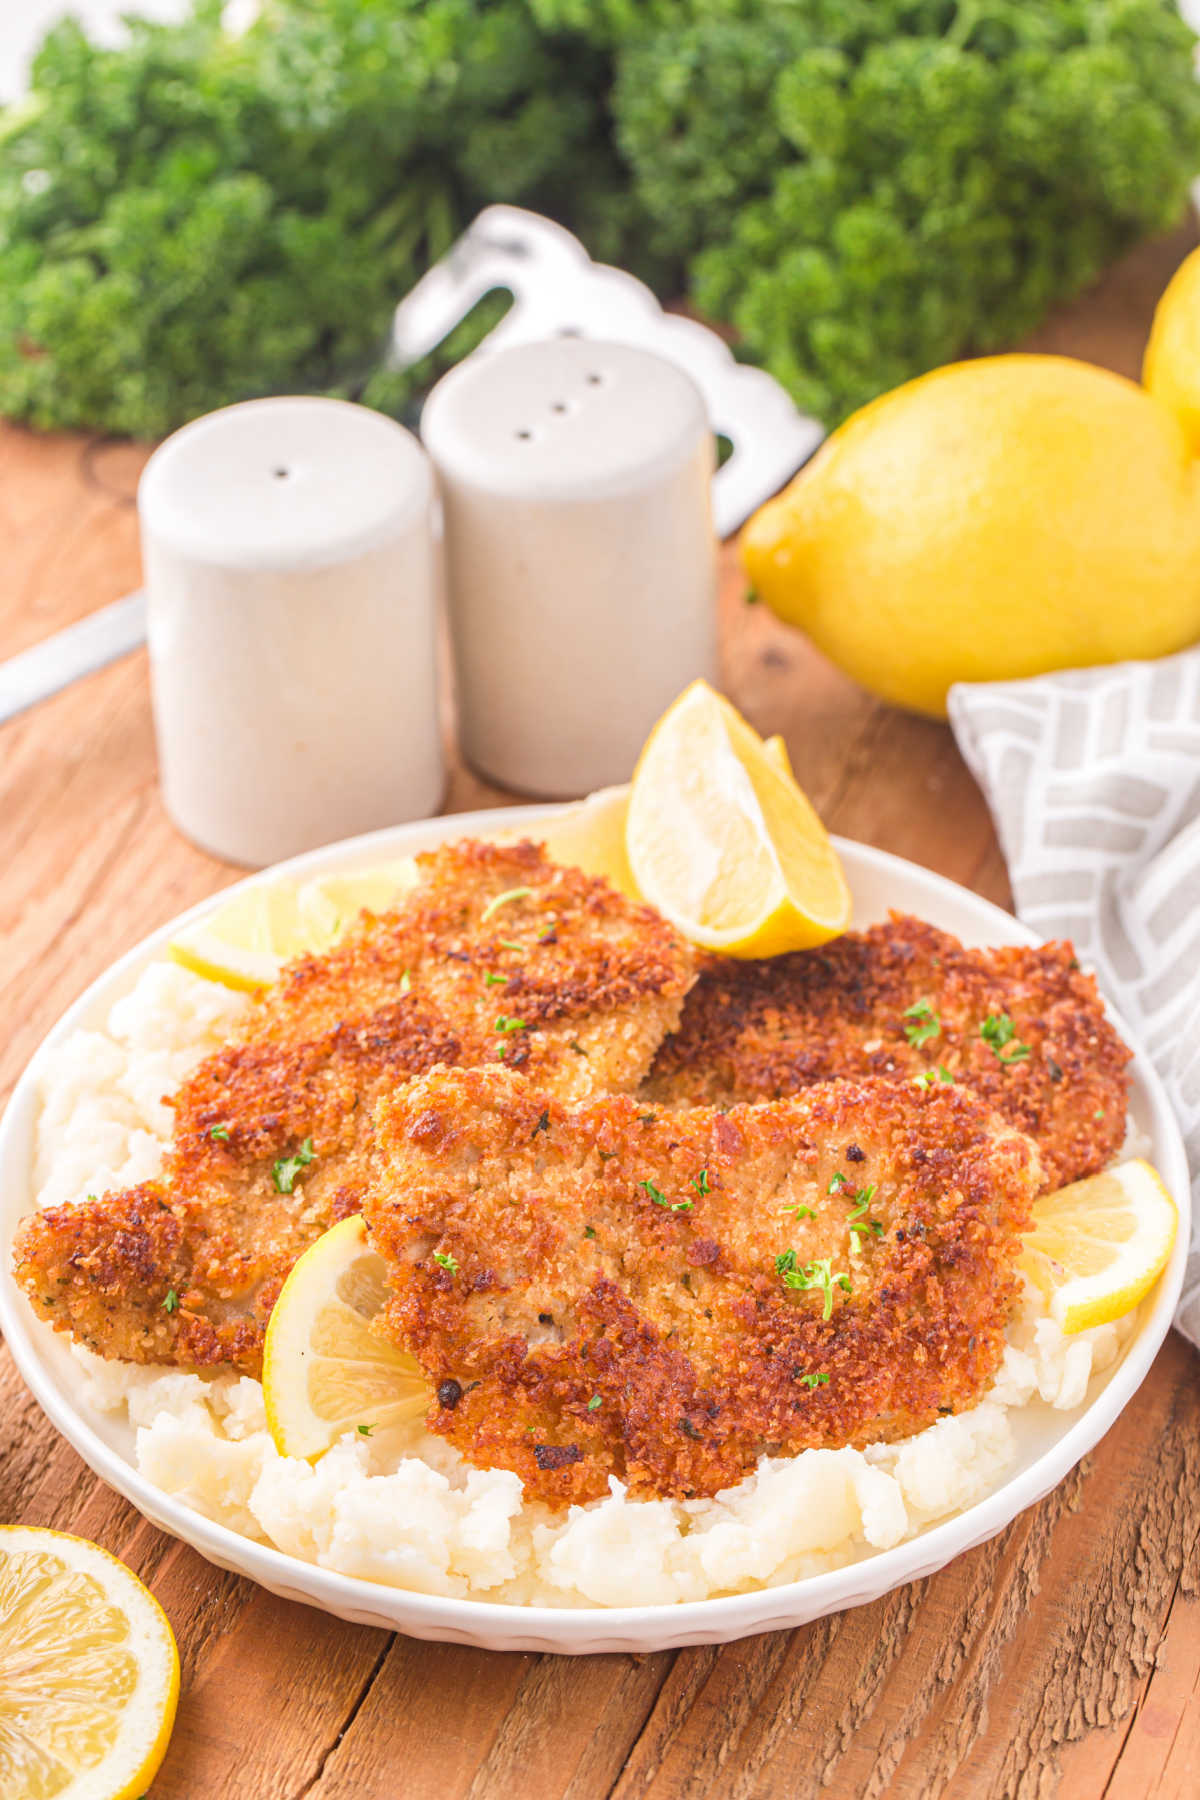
{"x": 246, "y": 942}
{"x": 1099, "y": 1245}
{"x": 89, "y": 1672}
{"x": 325, "y": 1372}
{"x": 723, "y": 842}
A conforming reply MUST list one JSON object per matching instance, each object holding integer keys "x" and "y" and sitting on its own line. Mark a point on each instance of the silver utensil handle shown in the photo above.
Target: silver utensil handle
{"x": 559, "y": 291}
{"x": 77, "y": 650}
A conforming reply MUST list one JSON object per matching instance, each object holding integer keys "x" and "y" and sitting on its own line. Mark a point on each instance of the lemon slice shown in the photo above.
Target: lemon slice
{"x": 1099, "y": 1245}
{"x": 246, "y": 942}
{"x": 89, "y": 1672}
{"x": 325, "y": 1371}
{"x": 722, "y": 841}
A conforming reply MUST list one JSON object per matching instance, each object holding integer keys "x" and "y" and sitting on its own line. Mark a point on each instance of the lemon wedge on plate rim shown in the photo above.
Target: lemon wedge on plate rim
{"x": 246, "y": 942}
{"x": 1098, "y": 1246}
{"x": 724, "y": 843}
{"x": 89, "y": 1671}
{"x": 325, "y": 1372}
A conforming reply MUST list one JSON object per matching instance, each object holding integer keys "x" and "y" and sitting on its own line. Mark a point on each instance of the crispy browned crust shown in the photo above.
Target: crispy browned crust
{"x": 759, "y": 1030}
{"x": 594, "y": 1330}
{"x": 187, "y": 1269}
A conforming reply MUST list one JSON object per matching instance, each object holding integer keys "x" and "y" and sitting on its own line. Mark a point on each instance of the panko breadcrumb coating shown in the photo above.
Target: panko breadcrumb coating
{"x": 1023, "y": 1026}
{"x": 498, "y": 956}
{"x": 616, "y": 1288}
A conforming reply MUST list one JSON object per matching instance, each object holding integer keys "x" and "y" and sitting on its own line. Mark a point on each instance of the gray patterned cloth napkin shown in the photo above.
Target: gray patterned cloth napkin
{"x": 1093, "y": 780}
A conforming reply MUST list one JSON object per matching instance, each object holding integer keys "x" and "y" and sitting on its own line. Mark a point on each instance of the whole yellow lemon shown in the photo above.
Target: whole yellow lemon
{"x": 993, "y": 519}
{"x": 1171, "y": 371}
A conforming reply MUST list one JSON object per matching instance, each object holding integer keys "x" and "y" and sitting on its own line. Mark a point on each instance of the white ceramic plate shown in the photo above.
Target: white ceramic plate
{"x": 1049, "y": 1443}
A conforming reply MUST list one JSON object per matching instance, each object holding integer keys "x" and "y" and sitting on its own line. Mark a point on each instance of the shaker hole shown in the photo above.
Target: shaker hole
{"x": 281, "y": 474}
{"x": 595, "y": 380}
{"x": 560, "y": 406}
{"x": 523, "y": 434}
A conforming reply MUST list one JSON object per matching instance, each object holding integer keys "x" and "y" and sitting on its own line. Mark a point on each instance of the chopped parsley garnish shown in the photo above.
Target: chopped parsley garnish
{"x": 494, "y": 980}
{"x": 445, "y": 1261}
{"x": 589, "y": 1231}
{"x": 501, "y": 1051}
{"x": 365, "y": 1430}
{"x": 1000, "y": 1035}
{"x": 802, "y": 1212}
{"x": 220, "y": 1132}
{"x": 927, "y": 1077}
{"x": 837, "y": 1181}
{"x": 701, "y": 1182}
{"x": 171, "y": 1303}
{"x": 593, "y": 1403}
{"x": 660, "y": 1199}
{"x": 508, "y": 944}
{"x": 499, "y": 900}
{"x": 543, "y": 1124}
{"x": 924, "y": 1023}
{"x": 813, "y": 1381}
{"x": 504, "y": 1023}
{"x": 406, "y": 983}
{"x": 817, "y": 1274}
{"x": 287, "y": 1168}
{"x": 577, "y": 1047}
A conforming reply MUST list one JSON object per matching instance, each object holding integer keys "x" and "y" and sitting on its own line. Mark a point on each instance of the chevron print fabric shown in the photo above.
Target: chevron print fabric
{"x": 1093, "y": 780}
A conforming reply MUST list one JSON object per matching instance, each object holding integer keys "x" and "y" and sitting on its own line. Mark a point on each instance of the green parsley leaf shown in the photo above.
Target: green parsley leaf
{"x": 406, "y": 983}
{"x": 220, "y": 1132}
{"x": 818, "y": 1274}
{"x": 504, "y": 1023}
{"x": 494, "y": 980}
{"x": 171, "y": 1303}
{"x": 813, "y": 1381}
{"x": 837, "y": 1181}
{"x": 701, "y": 1182}
{"x": 924, "y": 1025}
{"x": 445, "y": 1261}
{"x": 505, "y": 899}
{"x": 593, "y": 1403}
{"x": 997, "y": 1032}
{"x": 589, "y": 1231}
{"x": 655, "y": 1193}
{"x": 507, "y": 944}
{"x": 287, "y": 1168}
{"x": 365, "y": 1430}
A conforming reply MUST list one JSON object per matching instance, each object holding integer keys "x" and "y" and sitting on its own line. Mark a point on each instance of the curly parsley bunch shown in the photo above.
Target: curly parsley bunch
{"x": 863, "y": 188}
{"x": 866, "y": 188}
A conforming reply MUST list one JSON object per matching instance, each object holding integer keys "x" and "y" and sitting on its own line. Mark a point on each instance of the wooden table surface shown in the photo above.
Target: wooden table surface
{"x": 1062, "y": 1658}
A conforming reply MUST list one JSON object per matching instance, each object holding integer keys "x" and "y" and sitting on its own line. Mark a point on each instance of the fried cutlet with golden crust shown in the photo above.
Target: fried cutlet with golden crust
{"x": 497, "y": 956}
{"x": 664, "y": 1296}
{"x": 1023, "y": 1026}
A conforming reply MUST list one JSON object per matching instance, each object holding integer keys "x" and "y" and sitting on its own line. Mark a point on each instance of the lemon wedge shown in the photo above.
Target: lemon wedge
{"x": 591, "y": 835}
{"x": 1098, "y": 1246}
{"x": 722, "y": 841}
{"x": 247, "y": 941}
{"x": 325, "y": 1371}
{"x": 89, "y": 1672}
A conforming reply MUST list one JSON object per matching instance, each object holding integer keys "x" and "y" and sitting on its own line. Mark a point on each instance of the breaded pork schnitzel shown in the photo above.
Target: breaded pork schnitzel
{"x": 1022, "y": 1026}
{"x": 497, "y": 956}
{"x": 621, "y": 1289}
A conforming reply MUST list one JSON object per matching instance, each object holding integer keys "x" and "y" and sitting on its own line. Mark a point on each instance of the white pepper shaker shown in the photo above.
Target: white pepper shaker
{"x": 580, "y": 555}
{"x": 290, "y": 571}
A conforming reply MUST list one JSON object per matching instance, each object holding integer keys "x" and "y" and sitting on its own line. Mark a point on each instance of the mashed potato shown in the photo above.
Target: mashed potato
{"x": 402, "y": 1507}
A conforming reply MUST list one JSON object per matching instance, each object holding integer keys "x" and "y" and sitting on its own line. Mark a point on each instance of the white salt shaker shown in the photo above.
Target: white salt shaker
{"x": 580, "y": 554}
{"x": 290, "y": 571}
